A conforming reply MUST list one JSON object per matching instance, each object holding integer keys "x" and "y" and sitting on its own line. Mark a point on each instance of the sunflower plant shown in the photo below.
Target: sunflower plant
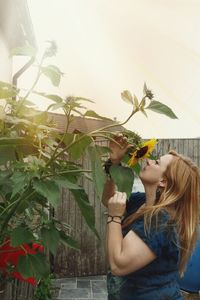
{"x": 37, "y": 160}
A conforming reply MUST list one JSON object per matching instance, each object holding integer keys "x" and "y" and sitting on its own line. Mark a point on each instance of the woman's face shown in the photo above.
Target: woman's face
{"x": 153, "y": 171}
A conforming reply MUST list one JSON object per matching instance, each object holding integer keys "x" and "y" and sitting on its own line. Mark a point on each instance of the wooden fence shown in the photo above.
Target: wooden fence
{"x": 16, "y": 290}
{"x": 91, "y": 258}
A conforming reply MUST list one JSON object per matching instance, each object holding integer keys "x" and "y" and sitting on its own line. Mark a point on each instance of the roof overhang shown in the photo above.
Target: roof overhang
{"x": 16, "y": 24}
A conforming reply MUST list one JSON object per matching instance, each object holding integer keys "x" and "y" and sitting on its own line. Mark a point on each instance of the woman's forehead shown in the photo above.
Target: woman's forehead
{"x": 167, "y": 158}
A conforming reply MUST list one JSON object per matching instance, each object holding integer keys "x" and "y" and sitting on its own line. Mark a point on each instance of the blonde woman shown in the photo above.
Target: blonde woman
{"x": 151, "y": 236}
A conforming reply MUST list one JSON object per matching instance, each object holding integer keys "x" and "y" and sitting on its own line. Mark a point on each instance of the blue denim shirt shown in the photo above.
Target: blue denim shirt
{"x": 159, "y": 279}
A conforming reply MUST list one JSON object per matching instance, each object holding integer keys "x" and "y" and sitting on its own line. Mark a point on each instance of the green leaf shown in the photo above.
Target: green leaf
{"x": 56, "y": 106}
{"x": 145, "y": 89}
{"x": 123, "y": 178}
{"x": 127, "y": 97}
{"x": 40, "y": 117}
{"x": 80, "y": 145}
{"x": 52, "y": 97}
{"x": 143, "y": 103}
{"x": 8, "y": 141}
{"x": 102, "y": 149}
{"x": 24, "y": 266}
{"x": 53, "y": 73}
{"x": 83, "y": 99}
{"x": 136, "y": 102}
{"x": 21, "y": 235}
{"x": 33, "y": 265}
{"x": 7, "y": 153}
{"x": 48, "y": 189}
{"x": 50, "y": 238}
{"x": 65, "y": 183}
{"x": 7, "y": 90}
{"x": 68, "y": 241}
{"x": 19, "y": 181}
{"x": 93, "y": 114}
{"x": 25, "y": 51}
{"x": 98, "y": 174}
{"x": 161, "y": 108}
{"x": 86, "y": 209}
{"x": 144, "y": 112}
{"x": 68, "y": 138}
{"x": 137, "y": 168}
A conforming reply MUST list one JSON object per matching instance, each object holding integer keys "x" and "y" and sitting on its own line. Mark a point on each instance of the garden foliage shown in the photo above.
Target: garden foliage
{"x": 36, "y": 161}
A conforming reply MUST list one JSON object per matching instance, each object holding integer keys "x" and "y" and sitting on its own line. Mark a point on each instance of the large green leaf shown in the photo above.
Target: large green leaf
{"x": 7, "y": 90}
{"x": 50, "y": 238}
{"x": 40, "y": 117}
{"x": 137, "y": 168}
{"x": 123, "y": 178}
{"x": 33, "y": 265}
{"x": 68, "y": 138}
{"x": 24, "y": 51}
{"x": 7, "y": 153}
{"x": 80, "y": 145}
{"x": 161, "y": 108}
{"x": 19, "y": 181}
{"x": 56, "y": 106}
{"x": 68, "y": 241}
{"x": 21, "y": 235}
{"x": 4, "y": 176}
{"x": 52, "y": 97}
{"x": 48, "y": 189}
{"x": 8, "y": 141}
{"x": 24, "y": 267}
{"x": 93, "y": 114}
{"x": 86, "y": 209}
{"x": 65, "y": 183}
{"x": 53, "y": 73}
{"x": 98, "y": 174}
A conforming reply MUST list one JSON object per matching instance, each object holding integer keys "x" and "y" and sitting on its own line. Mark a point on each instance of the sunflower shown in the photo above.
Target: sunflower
{"x": 143, "y": 151}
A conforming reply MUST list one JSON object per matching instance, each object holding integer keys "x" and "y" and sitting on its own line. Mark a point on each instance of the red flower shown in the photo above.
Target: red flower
{"x": 10, "y": 255}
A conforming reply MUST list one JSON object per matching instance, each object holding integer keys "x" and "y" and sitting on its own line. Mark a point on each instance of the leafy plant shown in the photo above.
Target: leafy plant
{"x": 43, "y": 291}
{"x": 37, "y": 160}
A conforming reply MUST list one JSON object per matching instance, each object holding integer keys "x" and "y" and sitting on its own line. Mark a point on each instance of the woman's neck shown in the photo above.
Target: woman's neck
{"x": 150, "y": 192}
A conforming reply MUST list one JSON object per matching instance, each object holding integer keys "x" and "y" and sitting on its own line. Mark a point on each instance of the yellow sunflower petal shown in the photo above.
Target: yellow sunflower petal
{"x": 151, "y": 145}
{"x": 132, "y": 161}
{"x": 142, "y": 152}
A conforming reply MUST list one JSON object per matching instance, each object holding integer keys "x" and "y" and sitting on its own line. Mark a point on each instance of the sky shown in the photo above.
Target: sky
{"x": 106, "y": 47}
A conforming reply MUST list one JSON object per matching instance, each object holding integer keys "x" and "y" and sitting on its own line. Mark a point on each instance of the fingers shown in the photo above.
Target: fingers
{"x": 117, "y": 204}
{"x": 118, "y": 197}
{"x": 121, "y": 136}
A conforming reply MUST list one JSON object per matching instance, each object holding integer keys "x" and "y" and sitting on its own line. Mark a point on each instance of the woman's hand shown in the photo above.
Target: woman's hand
{"x": 118, "y": 151}
{"x": 117, "y": 204}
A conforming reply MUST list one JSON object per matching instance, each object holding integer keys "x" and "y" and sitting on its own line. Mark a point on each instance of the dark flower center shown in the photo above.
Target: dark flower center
{"x": 141, "y": 152}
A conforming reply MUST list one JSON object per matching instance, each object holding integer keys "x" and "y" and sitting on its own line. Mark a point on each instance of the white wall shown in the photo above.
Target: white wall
{"x": 5, "y": 61}
{"x": 137, "y": 186}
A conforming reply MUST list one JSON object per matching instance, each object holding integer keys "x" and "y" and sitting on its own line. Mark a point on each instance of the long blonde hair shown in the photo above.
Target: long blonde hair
{"x": 181, "y": 197}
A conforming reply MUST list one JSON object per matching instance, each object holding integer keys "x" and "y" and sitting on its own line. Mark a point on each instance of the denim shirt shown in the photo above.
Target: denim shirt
{"x": 159, "y": 279}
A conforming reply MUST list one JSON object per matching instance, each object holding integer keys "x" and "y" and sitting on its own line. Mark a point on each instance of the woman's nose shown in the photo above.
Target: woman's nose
{"x": 149, "y": 161}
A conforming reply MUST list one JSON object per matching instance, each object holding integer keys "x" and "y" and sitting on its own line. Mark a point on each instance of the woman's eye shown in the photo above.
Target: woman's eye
{"x": 157, "y": 162}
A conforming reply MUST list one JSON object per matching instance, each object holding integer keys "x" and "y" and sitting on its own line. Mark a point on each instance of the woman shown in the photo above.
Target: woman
{"x": 151, "y": 236}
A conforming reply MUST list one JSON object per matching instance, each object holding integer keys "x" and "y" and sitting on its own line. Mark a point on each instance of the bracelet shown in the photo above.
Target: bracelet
{"x": 108, "y": 222}
{"x": 112, "y": 219}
